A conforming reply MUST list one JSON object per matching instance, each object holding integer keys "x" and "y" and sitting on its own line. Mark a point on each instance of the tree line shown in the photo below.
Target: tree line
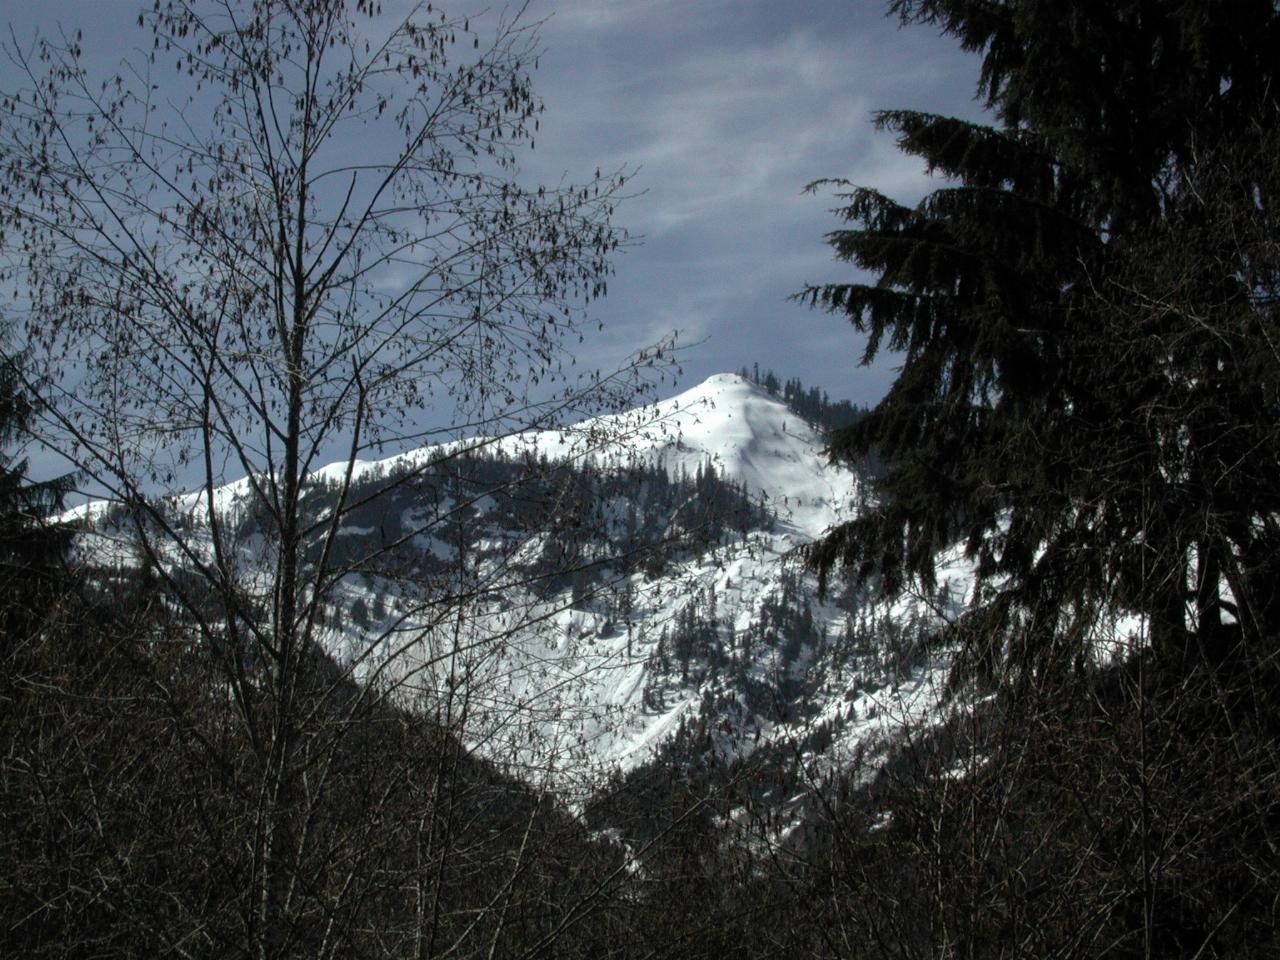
{"x": 811, "y": 403}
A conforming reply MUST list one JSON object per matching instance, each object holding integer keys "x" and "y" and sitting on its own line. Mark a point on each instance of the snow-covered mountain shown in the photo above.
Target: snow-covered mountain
{"x": 726, "y": 423}
{"x": 704, "y": 630}
{"x": 577, "y": 603}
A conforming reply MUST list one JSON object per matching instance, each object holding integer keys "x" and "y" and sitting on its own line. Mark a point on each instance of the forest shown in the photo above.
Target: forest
{"x": 221, "y": 326}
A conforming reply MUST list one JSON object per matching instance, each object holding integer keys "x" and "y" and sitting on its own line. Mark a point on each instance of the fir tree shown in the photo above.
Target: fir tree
{"x": 1088, "y": 390}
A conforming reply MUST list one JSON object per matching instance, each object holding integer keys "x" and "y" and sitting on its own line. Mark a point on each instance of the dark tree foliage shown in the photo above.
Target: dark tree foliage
{"x": 1088, "y": 391}
{"x": 128, "y": 801}
{"x": 30, "y": 546}
{"x": 1116, "y": 820}
{"x": 604, "y": 517}
{"x": 1087, "y": 400}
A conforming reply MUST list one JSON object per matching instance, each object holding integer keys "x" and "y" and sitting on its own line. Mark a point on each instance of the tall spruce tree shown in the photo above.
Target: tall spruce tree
{"x": 1090, "y": 383}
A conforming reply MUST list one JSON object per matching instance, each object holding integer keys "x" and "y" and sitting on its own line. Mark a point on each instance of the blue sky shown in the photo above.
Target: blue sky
{"x": 724, "y": 109}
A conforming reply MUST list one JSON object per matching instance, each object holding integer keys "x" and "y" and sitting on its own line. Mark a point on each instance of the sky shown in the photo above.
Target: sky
{"x": 728, "y": 108}
{"x": 723, "y": 110}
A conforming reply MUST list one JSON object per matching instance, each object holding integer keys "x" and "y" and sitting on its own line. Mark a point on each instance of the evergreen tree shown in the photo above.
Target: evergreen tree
{"x": 30, "y": 547}
{"x": 1088, "y": 390}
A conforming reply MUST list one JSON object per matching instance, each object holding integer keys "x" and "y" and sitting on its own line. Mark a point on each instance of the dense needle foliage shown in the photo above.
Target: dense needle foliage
{"x": 1088, "y": 394}
{"x": 1089, "y": 400}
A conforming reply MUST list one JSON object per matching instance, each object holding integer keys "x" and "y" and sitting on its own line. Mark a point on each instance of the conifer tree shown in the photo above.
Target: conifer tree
{"x": 29, "y": 546}
{"x": 1088, "y": 389}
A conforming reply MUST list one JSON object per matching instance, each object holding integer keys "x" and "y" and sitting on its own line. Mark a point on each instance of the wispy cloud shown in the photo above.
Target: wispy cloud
{"x": 596, "y": 15}
{"x": 726, "y": 110}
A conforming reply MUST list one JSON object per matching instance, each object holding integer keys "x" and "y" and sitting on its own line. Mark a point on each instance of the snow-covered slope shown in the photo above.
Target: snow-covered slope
{"x": 737, "y": 427}
{"x": 727, "y": 645}
{"x": 726, "y": 422}
{"x": 575, "y": 601}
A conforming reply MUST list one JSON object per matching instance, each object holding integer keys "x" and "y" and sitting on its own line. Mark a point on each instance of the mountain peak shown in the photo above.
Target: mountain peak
{"x": 727, "y": 388}
{"x": 726, "y": 422}
{"x": 753, "y": 437}
{"x": 728, "y": 380}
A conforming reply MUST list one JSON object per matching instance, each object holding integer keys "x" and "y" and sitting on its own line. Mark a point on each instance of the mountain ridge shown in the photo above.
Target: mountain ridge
{"x": 599, "y": 593}
{"x": 768, "y": 447}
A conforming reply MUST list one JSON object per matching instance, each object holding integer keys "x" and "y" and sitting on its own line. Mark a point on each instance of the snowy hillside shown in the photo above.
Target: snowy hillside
{"x": 576, "y": 602}
{"x": 725, "y": 422}
{"x": 725, "y": 644}
{"x": 734, "y": 426}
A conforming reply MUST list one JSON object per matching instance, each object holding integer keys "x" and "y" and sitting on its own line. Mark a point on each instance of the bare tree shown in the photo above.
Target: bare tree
{"x": 292, "y": 233}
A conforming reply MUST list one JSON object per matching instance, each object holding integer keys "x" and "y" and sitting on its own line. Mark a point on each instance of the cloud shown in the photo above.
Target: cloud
{"x": 611, "y": 15}
{"x": 721, "y": 125}
{"x": 723, "y": 110}
{"x": 726, "y": 111}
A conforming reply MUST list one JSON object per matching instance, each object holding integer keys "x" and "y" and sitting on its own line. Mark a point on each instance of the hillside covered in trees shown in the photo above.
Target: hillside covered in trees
{"x": 811, "y": 403}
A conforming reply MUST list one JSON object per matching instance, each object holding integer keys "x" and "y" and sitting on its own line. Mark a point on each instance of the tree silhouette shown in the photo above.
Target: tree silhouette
{"x": 285, "y": 234}
{"x": 1087, "y": 392}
